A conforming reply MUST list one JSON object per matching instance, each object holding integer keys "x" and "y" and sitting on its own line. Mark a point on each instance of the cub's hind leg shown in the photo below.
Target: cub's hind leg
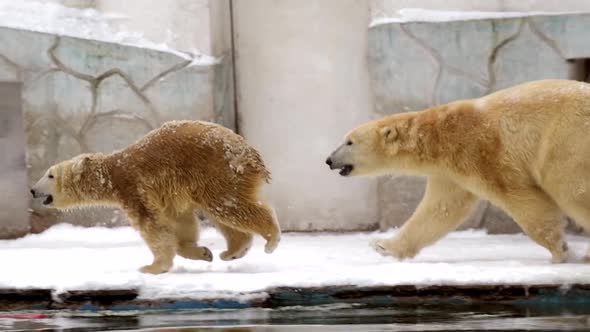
{"x": 187, "y": 235}
{"x": 238, "y": 242}
{"x": 249, "y": 218}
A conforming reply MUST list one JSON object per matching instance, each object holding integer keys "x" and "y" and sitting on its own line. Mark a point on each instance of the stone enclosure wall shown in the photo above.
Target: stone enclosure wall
{"x": 84, "y": 96}
{"x": 88, "y": 96}
{"x": 415, "y": 65}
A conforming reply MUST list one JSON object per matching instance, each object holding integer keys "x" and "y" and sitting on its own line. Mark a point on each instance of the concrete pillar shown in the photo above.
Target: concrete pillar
{"x": 302, "y": 83}
{"x": 220, "y": 28}
{"x": 14, "y": 196}
{"x": 222, "y": 48}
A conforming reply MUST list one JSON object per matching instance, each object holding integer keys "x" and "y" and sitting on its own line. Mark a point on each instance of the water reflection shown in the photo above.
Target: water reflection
{"x": 443, "y": 317}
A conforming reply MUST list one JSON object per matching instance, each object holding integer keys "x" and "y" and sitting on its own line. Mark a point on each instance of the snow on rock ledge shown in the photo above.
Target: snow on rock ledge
{"x": 89, "y": 24}
{"x": 425, "y": 15}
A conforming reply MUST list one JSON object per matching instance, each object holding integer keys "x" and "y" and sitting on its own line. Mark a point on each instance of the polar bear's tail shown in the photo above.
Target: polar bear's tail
{"x": 266, "y": 173}
{"x": 267, "y": 176}
{"x": 257, "y": 162}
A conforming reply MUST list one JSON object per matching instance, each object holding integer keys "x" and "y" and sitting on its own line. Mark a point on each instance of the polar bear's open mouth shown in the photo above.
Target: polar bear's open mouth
{"x": 346, "y": 169}
{"x": 48, "y": 200}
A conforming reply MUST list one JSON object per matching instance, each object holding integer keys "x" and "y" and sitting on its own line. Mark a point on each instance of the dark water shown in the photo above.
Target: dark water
{"x": 324, "y": 318}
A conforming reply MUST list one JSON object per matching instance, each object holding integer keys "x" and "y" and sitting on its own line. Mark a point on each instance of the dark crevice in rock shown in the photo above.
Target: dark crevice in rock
{"x": 494, "y": 55}
{"x": 95, "y": 82}
{"x": 173, "y": 69}
{"x": 550, "y": 42}
{"x": 435, "y": 58}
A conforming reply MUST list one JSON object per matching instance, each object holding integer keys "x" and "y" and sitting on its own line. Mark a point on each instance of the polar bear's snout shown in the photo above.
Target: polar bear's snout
{"x": 43, "y": 189}
{"x": 338, "y": 160}
{"x": 37, "y": 194}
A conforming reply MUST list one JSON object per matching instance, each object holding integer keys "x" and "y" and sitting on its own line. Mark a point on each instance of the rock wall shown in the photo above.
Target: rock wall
{"x": 87, "y": 96}
{"x": 300, "y": 87}
{"x": 415, "y": 65}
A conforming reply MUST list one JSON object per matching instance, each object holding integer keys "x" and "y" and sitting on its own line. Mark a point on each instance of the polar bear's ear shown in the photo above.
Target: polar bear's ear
{"x": 80, "y": 164}
{"x": 388, "y": 133}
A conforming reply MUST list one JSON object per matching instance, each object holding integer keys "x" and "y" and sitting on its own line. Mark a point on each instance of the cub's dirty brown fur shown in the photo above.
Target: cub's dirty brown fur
{"x": 163, "y": 179}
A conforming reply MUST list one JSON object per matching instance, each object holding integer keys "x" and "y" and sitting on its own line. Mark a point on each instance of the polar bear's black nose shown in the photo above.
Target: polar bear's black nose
{"x": 329, "y": 161}
{"x": 33, "y": 192}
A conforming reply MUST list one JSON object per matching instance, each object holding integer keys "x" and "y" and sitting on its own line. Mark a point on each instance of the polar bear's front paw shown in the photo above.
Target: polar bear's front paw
{"x": 380, "y": 247}
{"x": 191, "y": 251}
{"x": 153, "y": 269}
{"x": 392, "y": 248}
{"x": 231, "y": 255}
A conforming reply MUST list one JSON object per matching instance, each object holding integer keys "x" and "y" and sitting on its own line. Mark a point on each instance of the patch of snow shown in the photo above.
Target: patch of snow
{"x": 74, "y": 258}
{"x": 200, "y": 59}
{"x": 427, "y": 15}
{"x": 88, "y": 23}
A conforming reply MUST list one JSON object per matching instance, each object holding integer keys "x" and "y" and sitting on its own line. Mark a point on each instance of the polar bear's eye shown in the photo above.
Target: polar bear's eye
{"x": 50, "y": 176}
{"x": 349, "y": 142}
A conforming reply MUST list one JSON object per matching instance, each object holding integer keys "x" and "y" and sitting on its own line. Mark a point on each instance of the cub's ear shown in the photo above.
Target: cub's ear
{"x": 389, "y": 134}
{"x": 80, "y": 164}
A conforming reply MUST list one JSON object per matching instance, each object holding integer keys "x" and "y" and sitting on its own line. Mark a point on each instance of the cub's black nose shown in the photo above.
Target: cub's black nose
{"x": 33, "y": 192}
{"x": 329, "y": 161}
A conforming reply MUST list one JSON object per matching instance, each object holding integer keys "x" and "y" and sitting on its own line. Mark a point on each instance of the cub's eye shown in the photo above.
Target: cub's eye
{"x": 50, "y": 176}
{"x": 349, "y": 143}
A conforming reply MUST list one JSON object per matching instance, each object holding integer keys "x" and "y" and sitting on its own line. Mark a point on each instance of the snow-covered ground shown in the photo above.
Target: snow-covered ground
{"x": 81, "y": 23}
{"x": 73, "y": 258}
{"x": 427, "y": 15}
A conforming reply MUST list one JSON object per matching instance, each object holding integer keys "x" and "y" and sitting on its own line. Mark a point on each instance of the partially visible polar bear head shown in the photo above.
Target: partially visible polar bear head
{"x": 374, "y": 148}
{"x": 60, "y": 186}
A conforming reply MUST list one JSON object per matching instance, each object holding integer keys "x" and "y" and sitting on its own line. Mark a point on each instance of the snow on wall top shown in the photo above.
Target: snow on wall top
{"x": 426, "y": 15}
{"x": 81, "y": 23}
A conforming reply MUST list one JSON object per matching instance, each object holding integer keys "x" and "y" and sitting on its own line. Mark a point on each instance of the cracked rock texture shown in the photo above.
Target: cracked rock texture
{"x": 88, "y": 96}
{"x": 415, "y": 65}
